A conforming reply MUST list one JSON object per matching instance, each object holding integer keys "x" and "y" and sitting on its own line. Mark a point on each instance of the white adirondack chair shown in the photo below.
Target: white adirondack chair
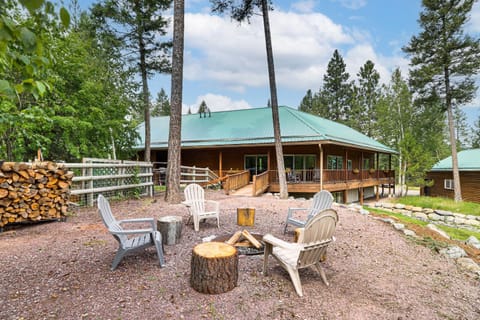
{"x": 198, "y": 207}
{"x": 130, "y": 240}
{"x": 321, "y": 200}
{"x": 308, "y": 251}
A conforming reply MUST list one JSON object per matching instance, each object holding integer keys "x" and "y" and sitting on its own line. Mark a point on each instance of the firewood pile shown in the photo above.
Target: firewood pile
{"x": 33, "y": 191}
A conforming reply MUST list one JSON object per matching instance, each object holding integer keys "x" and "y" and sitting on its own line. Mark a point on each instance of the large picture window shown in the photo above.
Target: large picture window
{"x": 334, "y": 162}
{"x": 299, "y": 161}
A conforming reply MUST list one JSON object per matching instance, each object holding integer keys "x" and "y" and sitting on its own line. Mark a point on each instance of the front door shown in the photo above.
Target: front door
{"x": 256, "y": 164}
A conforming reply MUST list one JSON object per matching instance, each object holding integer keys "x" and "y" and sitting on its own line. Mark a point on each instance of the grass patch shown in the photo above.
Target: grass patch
{"x": 159, "y": 188}
{"x": 447, "y": 204}
{"x": 458, "y": 233}
{"x": 399, "y": 216}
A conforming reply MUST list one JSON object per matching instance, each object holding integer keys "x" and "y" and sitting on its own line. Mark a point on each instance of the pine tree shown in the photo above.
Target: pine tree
{"x": 137, "y": 27}
{"x": 335, "y": 96}
{"x": 476, "y": 134}
{"x": 202, "y": 108}
{"x": 444, "y": 62}
{"x": 161, "y": 107}
{"x": 367, "y": 95}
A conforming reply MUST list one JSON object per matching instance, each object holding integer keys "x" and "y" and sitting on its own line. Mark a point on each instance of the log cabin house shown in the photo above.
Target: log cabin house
{"x": 318, "y": 153}
{"x": 441, "y": 177}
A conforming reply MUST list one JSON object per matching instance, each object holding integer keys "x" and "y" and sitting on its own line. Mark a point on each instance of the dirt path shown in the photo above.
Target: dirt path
{"x": 61, "y": 271}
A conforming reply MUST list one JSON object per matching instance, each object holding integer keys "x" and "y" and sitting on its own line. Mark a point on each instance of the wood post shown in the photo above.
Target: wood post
{"x": 214, "y": 267}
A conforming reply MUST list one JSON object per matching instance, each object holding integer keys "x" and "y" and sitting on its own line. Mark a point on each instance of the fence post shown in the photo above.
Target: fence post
{"x": 90, "y": 186}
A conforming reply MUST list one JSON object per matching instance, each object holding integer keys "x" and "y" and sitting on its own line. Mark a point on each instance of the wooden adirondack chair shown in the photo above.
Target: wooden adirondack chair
{"x": 321, "y": 200}
{"x": 309, "y": 251}
{"x": 197, "y": 205}
{"x": 132, "y": 239}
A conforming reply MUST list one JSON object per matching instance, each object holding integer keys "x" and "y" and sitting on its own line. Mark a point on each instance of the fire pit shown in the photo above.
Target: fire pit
{"x": 244, "y": 246}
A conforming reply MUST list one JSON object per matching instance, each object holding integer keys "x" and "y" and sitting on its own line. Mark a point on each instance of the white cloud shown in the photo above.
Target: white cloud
{"x": 216, "y": 102}
{"x": 234, "y": 55}
{"x": 352, "y": 4}
{"x": 304, "y": 6}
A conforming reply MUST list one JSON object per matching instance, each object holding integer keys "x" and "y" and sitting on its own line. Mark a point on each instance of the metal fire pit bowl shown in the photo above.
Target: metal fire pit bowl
{"x": 247, "y": 251}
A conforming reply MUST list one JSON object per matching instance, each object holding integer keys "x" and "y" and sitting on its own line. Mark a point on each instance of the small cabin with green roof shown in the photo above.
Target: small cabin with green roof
{"x": 318, "y": 153}
{"x": 441, "y": 175}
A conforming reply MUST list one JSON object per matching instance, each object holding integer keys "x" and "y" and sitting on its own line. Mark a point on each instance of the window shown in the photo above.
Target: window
{"x": 448, "y": 184}
{"x": 349, "y": 164}
{"x": 299, "y": 161}
{"x": 366, "y": 163}
{"x": 334, "y": 162}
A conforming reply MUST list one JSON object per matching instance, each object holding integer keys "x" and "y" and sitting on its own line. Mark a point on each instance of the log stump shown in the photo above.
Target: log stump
{"x": 245, "y": 216}
{"x": 171, "y": 229}
{"x": 214, "y": 267}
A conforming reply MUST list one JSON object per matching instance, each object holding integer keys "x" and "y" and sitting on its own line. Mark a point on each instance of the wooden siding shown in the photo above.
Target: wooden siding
{"x": 469, "y": 180}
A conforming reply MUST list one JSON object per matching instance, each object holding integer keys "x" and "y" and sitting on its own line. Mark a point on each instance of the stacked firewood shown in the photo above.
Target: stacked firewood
{"x": 33, "y": 191}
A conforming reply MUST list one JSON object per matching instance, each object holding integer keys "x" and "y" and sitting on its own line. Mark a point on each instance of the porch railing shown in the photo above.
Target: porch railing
{"x": 236, "y": 181}
{"x": 331, "y": 176}
{"x": 260, "y": 183}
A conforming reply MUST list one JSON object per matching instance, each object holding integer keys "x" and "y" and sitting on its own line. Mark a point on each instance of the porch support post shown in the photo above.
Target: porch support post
{"x": 361, "y": 196}
{"x": 220, "y": 166}
{"x": 321, "y": 166}
{"x": 345, "y": 169}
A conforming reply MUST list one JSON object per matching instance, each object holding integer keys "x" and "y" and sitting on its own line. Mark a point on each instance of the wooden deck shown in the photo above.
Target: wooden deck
{"x": 243, "y": 191}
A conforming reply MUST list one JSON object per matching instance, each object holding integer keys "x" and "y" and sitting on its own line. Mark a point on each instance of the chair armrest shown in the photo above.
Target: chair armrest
{"x": 140, "y": 220}
{"x": 186, "y": 203}
{"x": 276, "y": 242}
{"x": 292, "y": 210}
{"x": 132, "y": 231}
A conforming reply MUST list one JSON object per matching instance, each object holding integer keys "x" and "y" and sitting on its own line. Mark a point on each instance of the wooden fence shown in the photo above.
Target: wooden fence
{"x": 113, "y": 178}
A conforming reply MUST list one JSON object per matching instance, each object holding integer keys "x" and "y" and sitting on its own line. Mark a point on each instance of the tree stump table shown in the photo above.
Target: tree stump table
{"x": 245, "y": 216}
{"x": 214, "y": 267}
{"x": 171, "y": 229}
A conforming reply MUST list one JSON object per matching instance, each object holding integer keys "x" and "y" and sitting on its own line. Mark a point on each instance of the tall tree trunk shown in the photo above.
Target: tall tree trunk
{"x": 453, "y": 142}
{"x": 145, "y": 98}
{"x": 453, "y": 145}
{"x": 174, "y": 138}
{"x": 273, "y": 97}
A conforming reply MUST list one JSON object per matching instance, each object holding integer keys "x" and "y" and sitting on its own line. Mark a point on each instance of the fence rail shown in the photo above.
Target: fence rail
{"x": 187, "y": 174}
{"x": 113, "y": 178}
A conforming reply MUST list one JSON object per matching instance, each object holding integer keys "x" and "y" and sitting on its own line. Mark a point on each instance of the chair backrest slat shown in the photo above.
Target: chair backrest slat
{"x": 108, "y": 219}
{"x": 318, "y": 234}
{"x": 195, "y": 195}
{"x": 321, "y": 200}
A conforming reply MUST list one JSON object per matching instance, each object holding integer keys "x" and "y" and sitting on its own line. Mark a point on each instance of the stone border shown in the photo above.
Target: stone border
{"x": 435, "y": 217}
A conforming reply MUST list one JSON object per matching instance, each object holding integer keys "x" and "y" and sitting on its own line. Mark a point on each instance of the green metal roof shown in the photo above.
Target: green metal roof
{"x": 254, "y": 126}
{"x": 468, "y": 160}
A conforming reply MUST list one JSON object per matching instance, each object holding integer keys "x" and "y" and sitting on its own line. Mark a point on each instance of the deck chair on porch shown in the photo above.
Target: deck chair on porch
{"x": 310, "y": 249}
{"x": 321, "y": 200}
{"x": 198, "y": 207}
{"x": 130, "y": 240}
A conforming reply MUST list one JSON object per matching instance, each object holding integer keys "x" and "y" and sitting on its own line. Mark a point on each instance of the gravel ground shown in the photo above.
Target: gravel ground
{"x": 61, "y": 270}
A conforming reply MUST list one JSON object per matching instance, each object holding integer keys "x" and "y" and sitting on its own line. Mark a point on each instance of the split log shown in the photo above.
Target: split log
{"x": 214, "y": 267}
{"x": 233, "y": 239}
{"x": 252, "y": 239}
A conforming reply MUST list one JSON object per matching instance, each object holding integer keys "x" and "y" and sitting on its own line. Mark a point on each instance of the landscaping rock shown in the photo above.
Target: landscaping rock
{"x": 468, "y": 264}
{"x": 417, "y": 209}
{"x": 473, "y": 241}
{"x": 399, "y": 206}
{"x": 443, "y": 212}
{"x": 473, "y": 222}
{"x": 409, "y": 233}
{"x": 420, "y": 215}
{"x": 399, "y": 226}
{"x": 435, "y": 217}
{"x": 458, "y": 220}
{"x": 453, "y": 252}
{"x": 440, "y": 232}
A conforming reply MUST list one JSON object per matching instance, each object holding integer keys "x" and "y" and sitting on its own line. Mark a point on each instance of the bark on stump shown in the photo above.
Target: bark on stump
{"x": 171, "y": 229}
{"x": 214, "y": 267}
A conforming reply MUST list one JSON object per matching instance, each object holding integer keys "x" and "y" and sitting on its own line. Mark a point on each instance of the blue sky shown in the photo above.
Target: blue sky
{"x": 225, "y": 63}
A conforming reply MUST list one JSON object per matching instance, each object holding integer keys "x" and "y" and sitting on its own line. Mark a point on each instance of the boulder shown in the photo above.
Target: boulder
{"x": 420, "y": 215}
{"x": 434, "y": 217}
{"x": 473, "y": 241}
{"x": 453, "y": 252}
{"x": 468, "y": 264}
{"x": 443, "y": 212}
